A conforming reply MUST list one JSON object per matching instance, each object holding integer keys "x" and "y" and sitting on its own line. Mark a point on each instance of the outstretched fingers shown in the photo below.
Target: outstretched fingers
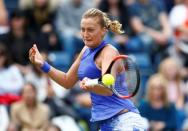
{"x": 35, "y": 47}
{"x": 32, "y": 53}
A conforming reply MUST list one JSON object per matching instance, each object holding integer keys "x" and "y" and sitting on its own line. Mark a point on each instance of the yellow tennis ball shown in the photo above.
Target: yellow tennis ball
{"x": 108, "y": 79}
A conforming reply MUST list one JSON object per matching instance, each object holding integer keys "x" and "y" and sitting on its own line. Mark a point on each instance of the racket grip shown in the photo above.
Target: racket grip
{"x": 92, "y": 82}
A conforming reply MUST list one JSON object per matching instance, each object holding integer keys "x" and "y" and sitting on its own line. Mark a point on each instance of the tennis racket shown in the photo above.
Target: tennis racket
{"x": 126, "y": 77}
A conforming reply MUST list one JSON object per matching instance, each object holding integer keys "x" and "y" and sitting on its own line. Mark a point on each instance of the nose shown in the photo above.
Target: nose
{"x": 85, "y": 34}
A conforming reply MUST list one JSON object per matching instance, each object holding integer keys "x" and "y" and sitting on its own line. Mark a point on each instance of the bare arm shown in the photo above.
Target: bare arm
{"x": 167, "y": 31}
{"x": 66, "y": 80}
{"x": 164, "y": 34}
{"x": 139, "y": 27}
{"x": 108, "y": 54}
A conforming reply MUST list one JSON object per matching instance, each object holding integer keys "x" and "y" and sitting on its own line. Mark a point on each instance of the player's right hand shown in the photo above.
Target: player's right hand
{"x": 35, "y": 57}
{"x": 83, "y": 86}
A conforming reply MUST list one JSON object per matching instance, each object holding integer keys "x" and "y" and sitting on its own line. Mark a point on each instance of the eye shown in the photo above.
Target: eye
{"x": 82, "y": 29}
{"x": 90, "y": 30}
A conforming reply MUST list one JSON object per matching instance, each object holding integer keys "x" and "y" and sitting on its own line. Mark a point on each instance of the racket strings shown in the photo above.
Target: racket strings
{"x": 120, "y": 85}
{"x": 126, "y": 80}
{"x": 131, "y": 75}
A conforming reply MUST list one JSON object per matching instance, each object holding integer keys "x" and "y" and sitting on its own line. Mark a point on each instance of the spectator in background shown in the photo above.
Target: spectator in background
{"x": 30, "y": 114}
{"x": 117, "y": 10}
{"x": 150, "y": 24}
{"x": 175, "y": 85}
{"x": 157, "y": 109}
{"x": 40, "y": 14}
{"x": 68, "y": 25}
{"x": 11, "y": 79}
{"x": 18, "y": 40}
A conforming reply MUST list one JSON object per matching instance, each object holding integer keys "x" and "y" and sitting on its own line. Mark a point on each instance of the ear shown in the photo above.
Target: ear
{"x": 104, "y": 30}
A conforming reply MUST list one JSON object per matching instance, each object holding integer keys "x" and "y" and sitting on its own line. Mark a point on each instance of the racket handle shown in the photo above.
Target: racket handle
{"x": 92, "y": 82}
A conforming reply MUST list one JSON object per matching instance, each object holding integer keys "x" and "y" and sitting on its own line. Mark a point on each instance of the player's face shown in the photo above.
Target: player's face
{"x": 92, "y": 32}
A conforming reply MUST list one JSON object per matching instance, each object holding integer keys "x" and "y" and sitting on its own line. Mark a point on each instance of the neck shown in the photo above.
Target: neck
{"x": 102, "y": 42}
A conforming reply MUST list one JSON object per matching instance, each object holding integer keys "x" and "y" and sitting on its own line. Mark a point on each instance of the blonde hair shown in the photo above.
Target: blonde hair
{"x": 169, "y": 62}
{"x": 157, "y": 80}
{"x": 114, "y": 25}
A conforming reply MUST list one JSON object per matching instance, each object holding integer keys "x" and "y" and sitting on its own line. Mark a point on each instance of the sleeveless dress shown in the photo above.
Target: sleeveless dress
{"x": 103, "y": 107}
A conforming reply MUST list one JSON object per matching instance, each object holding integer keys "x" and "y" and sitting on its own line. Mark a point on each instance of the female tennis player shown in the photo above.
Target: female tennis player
{"x": 112, "y": 112}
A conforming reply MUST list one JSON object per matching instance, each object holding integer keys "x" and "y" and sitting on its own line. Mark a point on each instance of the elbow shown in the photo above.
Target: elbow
{"x": 67, "y": 84}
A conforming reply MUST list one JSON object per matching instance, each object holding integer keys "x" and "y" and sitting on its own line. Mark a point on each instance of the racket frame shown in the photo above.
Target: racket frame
{"x": 137, "y": 75}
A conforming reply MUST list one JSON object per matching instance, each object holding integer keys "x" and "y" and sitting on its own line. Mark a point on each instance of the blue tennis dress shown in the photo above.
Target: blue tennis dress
{"x": 103, "y": 107}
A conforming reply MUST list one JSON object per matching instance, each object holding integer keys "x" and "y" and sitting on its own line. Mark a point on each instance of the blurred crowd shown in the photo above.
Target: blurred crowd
{"x": 156, "y": 37}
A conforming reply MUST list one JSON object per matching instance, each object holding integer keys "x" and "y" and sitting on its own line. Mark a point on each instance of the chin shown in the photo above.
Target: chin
{"x": 89, "y": 43}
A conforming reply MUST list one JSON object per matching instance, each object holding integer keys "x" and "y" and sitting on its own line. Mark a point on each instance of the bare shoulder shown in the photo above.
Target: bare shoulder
{"x": 108, "y": 53}
{"x": 109, "y": 50}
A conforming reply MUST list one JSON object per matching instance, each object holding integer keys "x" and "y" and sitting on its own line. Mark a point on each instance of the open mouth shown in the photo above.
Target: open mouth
{"x": 87, "y": 40}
